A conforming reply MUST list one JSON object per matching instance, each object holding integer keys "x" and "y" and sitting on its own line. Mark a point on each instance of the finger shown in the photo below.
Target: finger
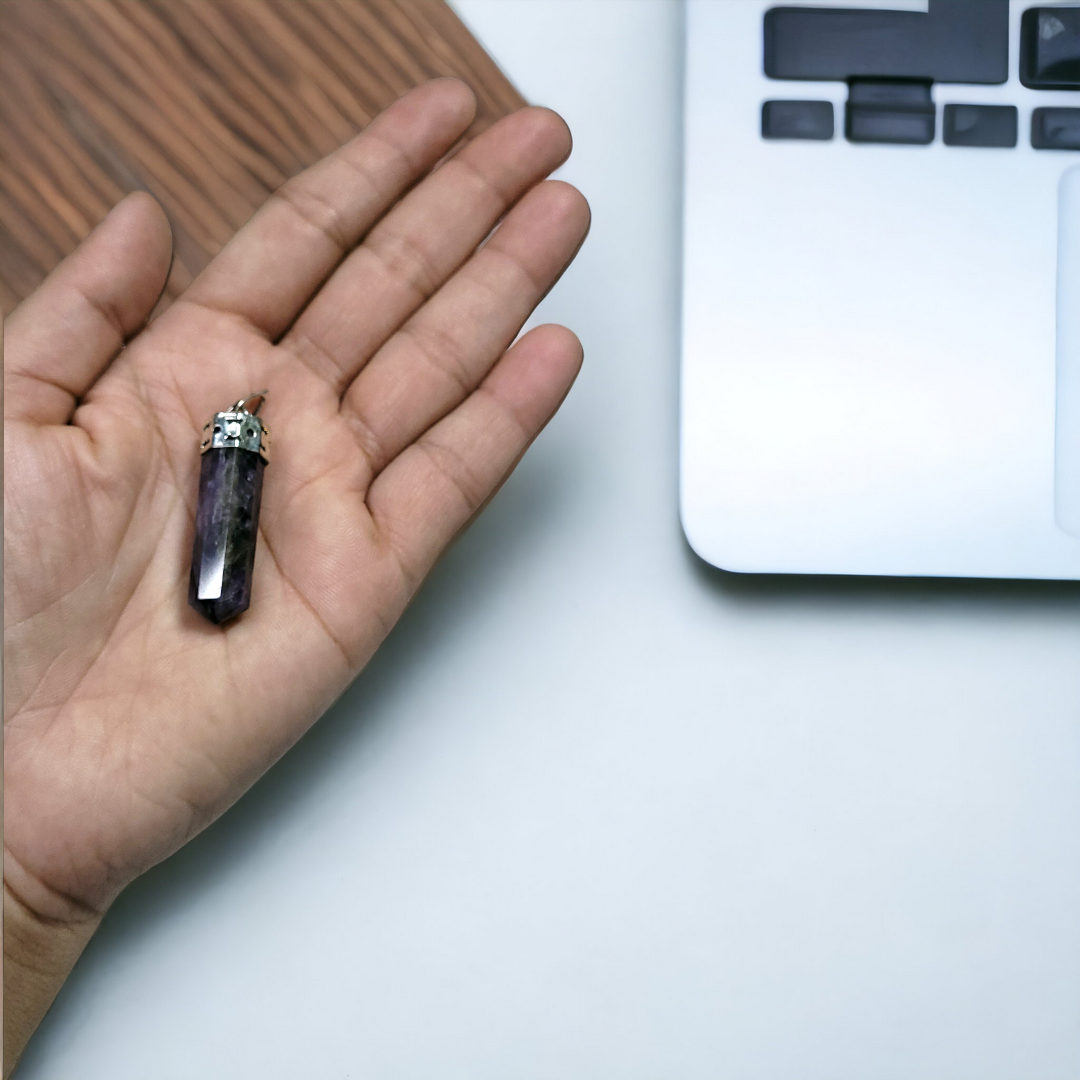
{"x": 430, "y": 491}
{"x": 269, "y": 270}
{"x": 442, "y": 353}
{"x": 421, "y": 242}
{"x": 65, "y": 334}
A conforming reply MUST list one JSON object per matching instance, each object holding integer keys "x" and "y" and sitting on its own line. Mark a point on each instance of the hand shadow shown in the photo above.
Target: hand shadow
{"x": 496, "y": 547}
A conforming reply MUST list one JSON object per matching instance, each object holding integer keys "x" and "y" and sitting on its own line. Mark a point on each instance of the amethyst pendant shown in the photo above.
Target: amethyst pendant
{"x": 234, "y": 454}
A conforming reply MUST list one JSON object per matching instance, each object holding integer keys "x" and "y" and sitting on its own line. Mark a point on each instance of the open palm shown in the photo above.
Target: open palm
{"x": 364, "y": 296}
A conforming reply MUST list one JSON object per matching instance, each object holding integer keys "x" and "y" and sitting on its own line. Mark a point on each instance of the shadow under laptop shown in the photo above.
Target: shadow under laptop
{"x": 800, "y": 590}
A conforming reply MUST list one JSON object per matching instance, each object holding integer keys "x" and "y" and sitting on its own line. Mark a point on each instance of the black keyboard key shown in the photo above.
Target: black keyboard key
{"x": 962, "y": 41}
{"x": 980, "y": 125}
{"x": 797, "y": 120}
{"x": 1050, "y": 48}
{"x": 889, "y": 112}
{"x": 1055, "y": 129}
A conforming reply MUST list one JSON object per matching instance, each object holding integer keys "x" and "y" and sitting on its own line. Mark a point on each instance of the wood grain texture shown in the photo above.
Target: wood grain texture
{"x": 207, "y": 104}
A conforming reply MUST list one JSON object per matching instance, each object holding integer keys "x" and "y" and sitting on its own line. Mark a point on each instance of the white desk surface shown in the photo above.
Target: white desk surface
{"x": 597, "y": 811}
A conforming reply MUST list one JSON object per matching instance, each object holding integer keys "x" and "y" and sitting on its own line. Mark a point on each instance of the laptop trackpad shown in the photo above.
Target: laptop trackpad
{"x": 1067, "y": 483}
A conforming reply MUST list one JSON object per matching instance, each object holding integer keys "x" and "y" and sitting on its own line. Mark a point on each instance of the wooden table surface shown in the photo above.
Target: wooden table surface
{"x": 207, "y": 104}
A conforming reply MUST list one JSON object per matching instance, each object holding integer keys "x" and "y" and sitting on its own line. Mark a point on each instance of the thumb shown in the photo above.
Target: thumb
{"x": 67, "y": 332}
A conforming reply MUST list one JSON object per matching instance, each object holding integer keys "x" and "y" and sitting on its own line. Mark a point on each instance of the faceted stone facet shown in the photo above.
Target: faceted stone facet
{"x": 226, "y": 528}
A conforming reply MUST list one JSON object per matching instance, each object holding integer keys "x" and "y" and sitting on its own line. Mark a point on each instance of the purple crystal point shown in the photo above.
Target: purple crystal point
{"x": 226, "y": 527}
{"x": 234, "y": 453}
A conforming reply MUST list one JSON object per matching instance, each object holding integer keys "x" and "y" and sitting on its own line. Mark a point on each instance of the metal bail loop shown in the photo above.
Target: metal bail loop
{"x": 242, "y": 403}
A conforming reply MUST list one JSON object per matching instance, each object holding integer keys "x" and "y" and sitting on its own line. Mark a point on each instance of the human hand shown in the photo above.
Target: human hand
{"x": 381, "y": 327}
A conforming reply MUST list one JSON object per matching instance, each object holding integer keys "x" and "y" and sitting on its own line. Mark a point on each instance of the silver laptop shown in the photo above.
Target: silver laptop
{"x": 881, "y": 325}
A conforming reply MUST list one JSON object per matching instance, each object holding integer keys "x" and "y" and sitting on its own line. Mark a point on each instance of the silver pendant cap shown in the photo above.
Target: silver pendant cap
{"x": 239, "y": 427}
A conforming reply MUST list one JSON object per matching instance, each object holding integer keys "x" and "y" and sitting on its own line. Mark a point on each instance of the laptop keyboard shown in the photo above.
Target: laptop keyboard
{"x": 891, "y": 59}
